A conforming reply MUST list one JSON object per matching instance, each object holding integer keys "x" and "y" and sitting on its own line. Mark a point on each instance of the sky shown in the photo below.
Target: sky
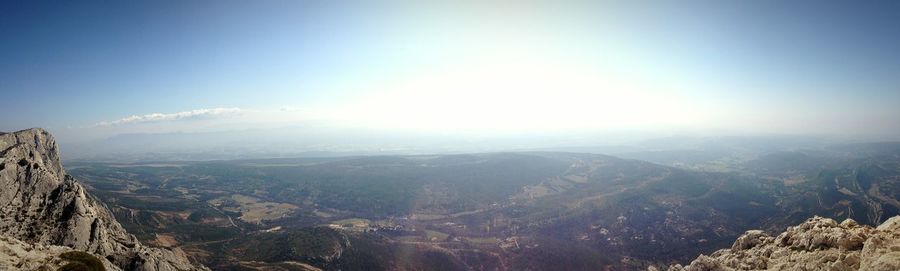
{"x": 98, "y": 69}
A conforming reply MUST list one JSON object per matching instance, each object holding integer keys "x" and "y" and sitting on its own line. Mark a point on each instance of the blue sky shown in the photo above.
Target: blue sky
{"x": 819, "y": 67}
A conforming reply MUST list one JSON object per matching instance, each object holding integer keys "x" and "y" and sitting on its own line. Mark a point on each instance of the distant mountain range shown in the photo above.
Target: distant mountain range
{"x": 319, "y": 141}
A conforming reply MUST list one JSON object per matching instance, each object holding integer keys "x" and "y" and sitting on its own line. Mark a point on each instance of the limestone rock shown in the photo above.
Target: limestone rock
{"x": 817, "y": 244}
{"x": 41, "y": 205}
{"x": 18, "y": 255}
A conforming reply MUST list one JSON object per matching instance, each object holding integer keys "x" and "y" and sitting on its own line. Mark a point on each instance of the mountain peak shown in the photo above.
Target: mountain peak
{"x": 41, "y": 204}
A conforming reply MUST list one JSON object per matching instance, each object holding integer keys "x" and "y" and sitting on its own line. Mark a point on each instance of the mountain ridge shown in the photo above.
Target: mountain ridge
{"x": 42, "y": 205}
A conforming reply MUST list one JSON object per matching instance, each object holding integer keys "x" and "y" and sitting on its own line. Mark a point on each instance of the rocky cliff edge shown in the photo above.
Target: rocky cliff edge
{"x": 42, "y": 206}
{"x": 817, "y": 244}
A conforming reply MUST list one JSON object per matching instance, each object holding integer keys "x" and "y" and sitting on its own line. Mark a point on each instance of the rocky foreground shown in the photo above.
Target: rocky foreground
{"x": 817, "y": 244}
{"x": 18, "y": 255}
{"x": 45, "y": 213}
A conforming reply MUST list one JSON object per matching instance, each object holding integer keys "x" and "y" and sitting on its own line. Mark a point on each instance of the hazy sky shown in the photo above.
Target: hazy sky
{"x": 97, "y": 69}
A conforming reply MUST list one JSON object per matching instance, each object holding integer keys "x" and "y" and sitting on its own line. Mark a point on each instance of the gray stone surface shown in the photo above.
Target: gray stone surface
{"x": 41, "y": 205}
{"x": 817, "y": 244}
{"x": 18, "y": 255}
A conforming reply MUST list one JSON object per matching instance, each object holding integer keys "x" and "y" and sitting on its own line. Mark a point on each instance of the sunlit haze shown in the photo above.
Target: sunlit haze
{"x": 458, "y": 135}
{"x": 458, "y": 70}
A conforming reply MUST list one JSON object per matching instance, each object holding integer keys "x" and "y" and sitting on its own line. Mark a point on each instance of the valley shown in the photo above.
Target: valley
{"x": 449, "y": 135}
{"x": 493, "y": 211}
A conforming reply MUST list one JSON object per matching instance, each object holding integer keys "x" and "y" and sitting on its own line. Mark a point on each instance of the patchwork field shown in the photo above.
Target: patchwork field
{"x": 253, "y": 210}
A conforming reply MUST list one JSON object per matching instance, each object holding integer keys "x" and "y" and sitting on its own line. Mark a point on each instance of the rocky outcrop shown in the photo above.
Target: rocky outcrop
{"x": 817, "y": 244}
{"x": 41, "y": 205}
{"x": 18, "y": 255}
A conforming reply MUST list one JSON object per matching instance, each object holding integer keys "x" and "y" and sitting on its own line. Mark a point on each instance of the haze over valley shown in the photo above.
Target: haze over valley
{"x": 449, "y": 135}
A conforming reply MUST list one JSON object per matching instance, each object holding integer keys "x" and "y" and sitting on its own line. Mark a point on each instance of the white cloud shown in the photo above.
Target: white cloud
{"x": 185, "y": 115}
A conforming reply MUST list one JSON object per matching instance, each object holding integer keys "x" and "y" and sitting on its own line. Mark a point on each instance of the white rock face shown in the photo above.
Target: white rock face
{"x": 40, "y": 204}
{"x": 817, "y": 244}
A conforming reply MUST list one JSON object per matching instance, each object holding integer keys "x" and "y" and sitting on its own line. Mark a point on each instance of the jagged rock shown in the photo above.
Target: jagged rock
{"x": 817, "y": 244}
{"x": 40, "y": 204}
{"x": 750, "y": 239}
{"x": 882, "y": 250}
{"x": 18, "y": 255}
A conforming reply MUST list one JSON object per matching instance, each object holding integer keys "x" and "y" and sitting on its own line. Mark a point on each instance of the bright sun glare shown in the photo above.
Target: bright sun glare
{"x": 512, "y": 95}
